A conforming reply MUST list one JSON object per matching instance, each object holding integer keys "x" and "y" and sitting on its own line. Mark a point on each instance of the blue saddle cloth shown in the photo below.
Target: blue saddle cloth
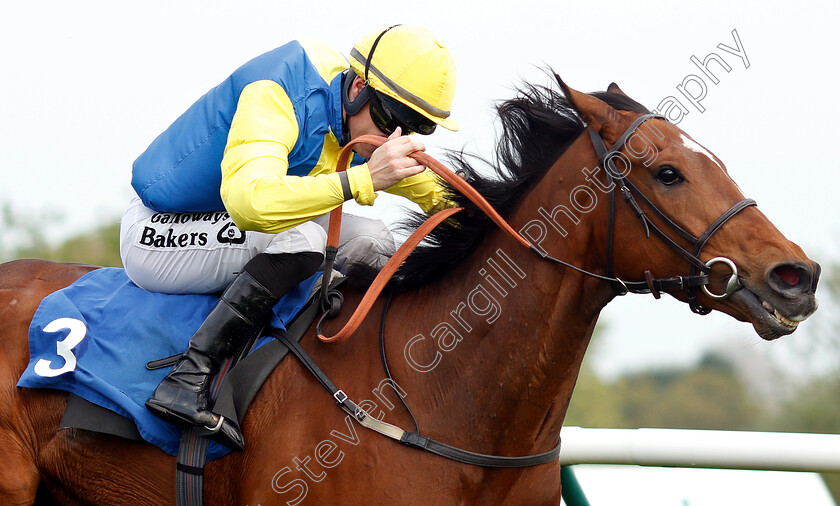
{"x": 95, "y": 337}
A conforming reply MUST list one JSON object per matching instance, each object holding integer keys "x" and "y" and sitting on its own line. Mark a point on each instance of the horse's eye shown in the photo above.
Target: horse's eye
{"x": 668, "y": 176}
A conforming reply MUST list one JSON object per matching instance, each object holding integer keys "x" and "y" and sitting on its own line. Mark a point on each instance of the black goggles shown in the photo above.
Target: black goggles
{"x": 388, "y": 114}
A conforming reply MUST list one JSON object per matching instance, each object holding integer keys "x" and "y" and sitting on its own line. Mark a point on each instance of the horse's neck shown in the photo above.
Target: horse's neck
{"x": 502, "y": 339}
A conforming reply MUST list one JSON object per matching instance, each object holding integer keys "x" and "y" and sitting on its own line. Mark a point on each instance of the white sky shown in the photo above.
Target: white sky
{"x": 88, "y": 84}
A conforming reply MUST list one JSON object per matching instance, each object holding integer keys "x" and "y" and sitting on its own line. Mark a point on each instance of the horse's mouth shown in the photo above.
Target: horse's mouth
{"x": 771, "y": 323}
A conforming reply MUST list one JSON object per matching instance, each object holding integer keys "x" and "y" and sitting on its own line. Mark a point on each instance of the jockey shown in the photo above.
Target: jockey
{"x": 234, "y": 195}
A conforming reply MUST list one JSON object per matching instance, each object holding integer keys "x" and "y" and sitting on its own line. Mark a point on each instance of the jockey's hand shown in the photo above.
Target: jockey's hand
{"x": 390, "y": 163}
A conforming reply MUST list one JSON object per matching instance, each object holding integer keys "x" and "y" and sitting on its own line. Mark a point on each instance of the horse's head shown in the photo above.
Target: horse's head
{"x": 685, "y": 194}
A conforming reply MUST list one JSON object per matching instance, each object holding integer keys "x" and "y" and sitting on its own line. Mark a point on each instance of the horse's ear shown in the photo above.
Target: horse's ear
{"x": 595, "y": 112}
{"x": 613, "y": 88}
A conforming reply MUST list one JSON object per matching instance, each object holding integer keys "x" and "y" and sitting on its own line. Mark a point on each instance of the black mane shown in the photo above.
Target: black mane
{"x": 538, "y": 125}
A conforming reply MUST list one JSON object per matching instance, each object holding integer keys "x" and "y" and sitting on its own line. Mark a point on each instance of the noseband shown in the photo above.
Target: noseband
{"x": 617, "y": 182}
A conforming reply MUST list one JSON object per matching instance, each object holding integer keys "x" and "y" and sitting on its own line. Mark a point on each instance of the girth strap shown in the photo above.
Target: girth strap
{"x": 413, "y": 439}
{"x": 245, "y": 381}
{"x": 478, "y": 459}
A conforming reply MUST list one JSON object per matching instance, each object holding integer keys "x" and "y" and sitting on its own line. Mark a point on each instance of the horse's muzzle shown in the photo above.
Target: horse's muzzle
{"x": 786, "y": 299}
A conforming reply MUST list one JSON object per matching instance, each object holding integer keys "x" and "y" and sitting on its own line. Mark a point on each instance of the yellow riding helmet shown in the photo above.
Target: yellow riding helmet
{"x": 412, "y": 66}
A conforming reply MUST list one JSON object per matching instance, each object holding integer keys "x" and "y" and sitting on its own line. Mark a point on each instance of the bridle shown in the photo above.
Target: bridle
{"x": 699, "y": 274}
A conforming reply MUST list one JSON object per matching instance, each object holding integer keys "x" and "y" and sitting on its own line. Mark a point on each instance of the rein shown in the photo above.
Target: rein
{"x": 379, "y": 282}
{"x": 619, "y": 183}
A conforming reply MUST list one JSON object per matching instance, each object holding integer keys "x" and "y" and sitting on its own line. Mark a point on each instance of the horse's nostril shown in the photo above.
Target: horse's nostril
{"x": 789, "y": 274}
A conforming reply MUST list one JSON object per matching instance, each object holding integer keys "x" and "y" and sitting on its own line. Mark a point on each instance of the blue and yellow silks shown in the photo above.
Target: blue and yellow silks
{"x": 263, "y": 145}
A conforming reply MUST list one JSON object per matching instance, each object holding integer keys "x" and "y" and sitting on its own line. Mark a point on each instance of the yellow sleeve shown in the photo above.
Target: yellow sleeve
{"x": 423, "y": 189}
{"x": 256, "y": 190}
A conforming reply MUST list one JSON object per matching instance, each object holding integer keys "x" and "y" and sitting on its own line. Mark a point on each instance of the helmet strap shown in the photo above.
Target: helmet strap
{"x": 353, "y": 107}
{"x": 373, "y": 48}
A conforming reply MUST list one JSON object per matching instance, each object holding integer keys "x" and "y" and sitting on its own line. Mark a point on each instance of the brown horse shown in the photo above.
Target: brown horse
{"x": 484, "y": 338}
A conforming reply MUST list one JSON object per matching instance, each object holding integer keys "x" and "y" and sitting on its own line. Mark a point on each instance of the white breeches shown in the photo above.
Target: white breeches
{"x": 203, "y": 252}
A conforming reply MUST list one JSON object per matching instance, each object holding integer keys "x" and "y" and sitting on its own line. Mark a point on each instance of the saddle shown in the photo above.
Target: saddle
{"x": 108, "y": 316}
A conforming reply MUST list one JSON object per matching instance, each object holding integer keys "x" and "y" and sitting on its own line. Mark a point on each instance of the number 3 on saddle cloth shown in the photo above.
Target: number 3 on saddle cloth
{"x": 94, "y": 338}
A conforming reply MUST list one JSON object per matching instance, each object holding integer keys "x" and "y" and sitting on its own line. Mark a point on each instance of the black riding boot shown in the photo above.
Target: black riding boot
{"x": 183, "y": 396}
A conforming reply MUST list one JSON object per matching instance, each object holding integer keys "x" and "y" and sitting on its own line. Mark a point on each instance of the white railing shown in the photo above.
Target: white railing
{"x": 781, "y": 451}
